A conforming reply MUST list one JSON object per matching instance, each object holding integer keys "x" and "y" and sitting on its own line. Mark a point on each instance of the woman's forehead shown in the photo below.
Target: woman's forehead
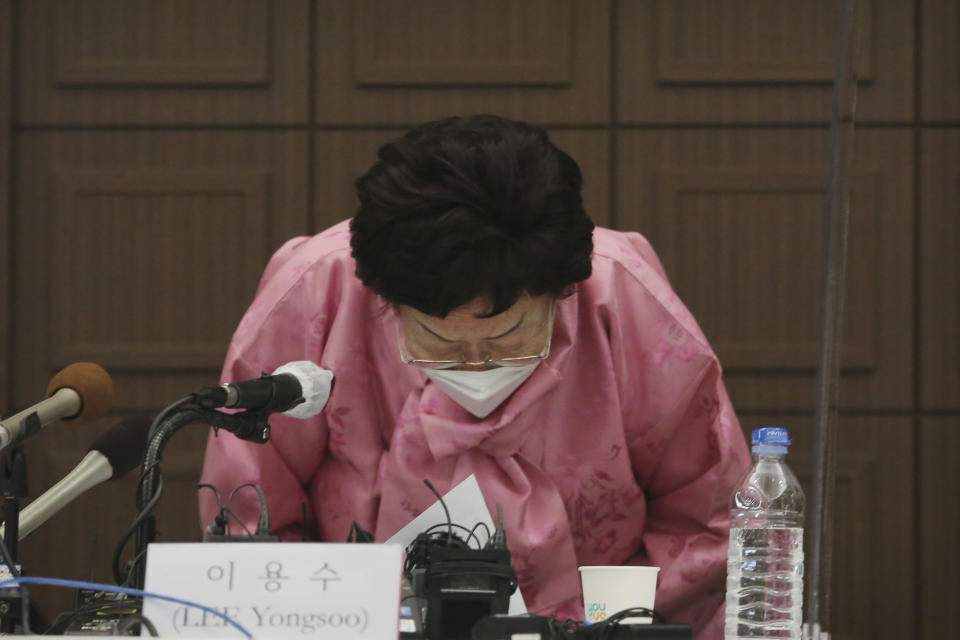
{"x": 467, "y": 321}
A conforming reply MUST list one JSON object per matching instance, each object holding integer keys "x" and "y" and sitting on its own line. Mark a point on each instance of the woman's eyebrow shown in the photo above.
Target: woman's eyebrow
{"x": 508, "y": 331}
{"x": 433, "y": 333}
{"x": 497, "y": 337}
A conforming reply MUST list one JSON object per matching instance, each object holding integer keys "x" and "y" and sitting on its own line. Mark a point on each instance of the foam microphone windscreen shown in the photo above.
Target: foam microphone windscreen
{"x": 91, "y": 383}
{"x": 123, "y": 445}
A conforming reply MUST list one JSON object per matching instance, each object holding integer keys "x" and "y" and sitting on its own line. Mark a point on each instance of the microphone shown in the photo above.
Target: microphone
{"x": 81, "y": 392}
{"x": 114, "y": 454}
{"x": 299, "y": 389}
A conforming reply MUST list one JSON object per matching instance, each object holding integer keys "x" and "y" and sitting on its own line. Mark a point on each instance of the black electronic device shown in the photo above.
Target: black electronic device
{"x": 464, "y": 585}
{"x": 502, "y": 627}
{"x": 99, "y": 613}
{"x": 456, "y": 582}
{"x": 219, "y": 529}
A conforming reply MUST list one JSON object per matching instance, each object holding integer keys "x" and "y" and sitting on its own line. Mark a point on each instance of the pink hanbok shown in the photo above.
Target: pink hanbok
{"x": 621, "y": 448}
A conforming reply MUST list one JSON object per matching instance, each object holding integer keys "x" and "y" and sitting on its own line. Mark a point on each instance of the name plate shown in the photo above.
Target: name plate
{"x": 275, "y": 589}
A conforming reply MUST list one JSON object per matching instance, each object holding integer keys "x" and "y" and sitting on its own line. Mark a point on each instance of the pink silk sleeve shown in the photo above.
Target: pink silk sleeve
{"x": 701, "y": 458}
{"x": 685, "y": 442}
{"x": 272, "y": 332}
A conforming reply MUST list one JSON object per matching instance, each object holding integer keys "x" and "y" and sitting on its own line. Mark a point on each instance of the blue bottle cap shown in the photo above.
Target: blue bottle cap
{"x": 771, "y": 435}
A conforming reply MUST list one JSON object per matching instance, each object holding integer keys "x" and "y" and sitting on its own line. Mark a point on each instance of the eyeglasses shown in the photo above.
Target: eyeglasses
{"x": 518, "y": 361}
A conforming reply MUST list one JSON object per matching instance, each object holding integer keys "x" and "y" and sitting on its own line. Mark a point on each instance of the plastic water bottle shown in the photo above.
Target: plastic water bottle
{"x": 765, "y": 556}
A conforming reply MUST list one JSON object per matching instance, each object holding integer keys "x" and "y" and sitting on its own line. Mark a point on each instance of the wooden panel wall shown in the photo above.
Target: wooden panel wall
{"x": 391, "y": 61}
{"x": 727, "y": 61}
{"x": 112, "y": 62}
{"x": 153, "y": 153}
{"x": 737, "y": 216}
{"x": 939, "y": 503}
{"x": 940, "y": 68}
{"x": 940, "y": 232}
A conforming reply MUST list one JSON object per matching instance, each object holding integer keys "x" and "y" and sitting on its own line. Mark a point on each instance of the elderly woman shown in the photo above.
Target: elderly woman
{"x": 478, "y": 323}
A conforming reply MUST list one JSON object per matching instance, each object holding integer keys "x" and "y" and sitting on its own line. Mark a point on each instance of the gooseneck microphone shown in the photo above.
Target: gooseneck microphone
{"x": 81, "y": 392}
{"x": 112, "y": 455}
{"x": 299, "y": 389}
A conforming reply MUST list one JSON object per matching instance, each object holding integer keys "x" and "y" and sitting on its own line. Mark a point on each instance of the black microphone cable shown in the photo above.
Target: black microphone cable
{"x": 263, "y": 523}
{"x": 445, "y": 510}
{"x": 119, "y": 575}
{"x": 131, "y": 619}
{"x": 168, "y": 411}
{"x": 220, "y": 521}
{"x": 24, "y": 593}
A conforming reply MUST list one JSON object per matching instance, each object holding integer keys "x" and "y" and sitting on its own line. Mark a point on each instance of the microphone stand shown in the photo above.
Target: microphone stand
{"x": 13, "y": 486}
{"x": 819, "y": 570}
{"x": 250, "y": 426}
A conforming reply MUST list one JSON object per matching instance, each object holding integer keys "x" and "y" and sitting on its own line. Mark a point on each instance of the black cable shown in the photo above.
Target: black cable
{"x": 442, "y": 504}
{"x": 220, "y": 522}
{"x": 143, "y": 476}
{"x": 150, "y": 487}
{"x": 603, "y": 630}
{"x": 150, "y": 484}
{"x": 470, "y": 533}
{"x": 216, "y": 492}
{"x": 608, "y": 627}
{"x": 24, "y": 593}
{"x": 263, "y": 524}
{"x": 150, "y": 470}
{"x": 636, "y": 612}
{"x": 168, "y": 411}
{"x": 8, "y": 559}
{"x": 145, "y": 513}
{"x": 131, "y": 619}
{"x": 418, "y": 556}
{"x": 64, "y": 623}
{"x": 118, "y": 574}
{"x": 499, "y": 538}
{"x": 229, "y": 511}
{"x": 139, "y": 593}
{"x": 134, "y": 561}
{"x": 418, "y": 550}
{"x": 485, "y": 528}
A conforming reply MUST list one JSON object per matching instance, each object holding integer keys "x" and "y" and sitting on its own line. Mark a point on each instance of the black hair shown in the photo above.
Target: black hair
{"x": 471, "y": 207}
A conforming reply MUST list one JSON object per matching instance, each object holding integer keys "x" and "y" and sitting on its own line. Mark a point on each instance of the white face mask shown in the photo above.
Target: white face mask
{"x": 480, "y": 392}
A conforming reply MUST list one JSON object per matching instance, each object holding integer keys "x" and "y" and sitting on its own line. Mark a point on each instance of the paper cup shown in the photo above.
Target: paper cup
{"x": 607, "y": 590}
